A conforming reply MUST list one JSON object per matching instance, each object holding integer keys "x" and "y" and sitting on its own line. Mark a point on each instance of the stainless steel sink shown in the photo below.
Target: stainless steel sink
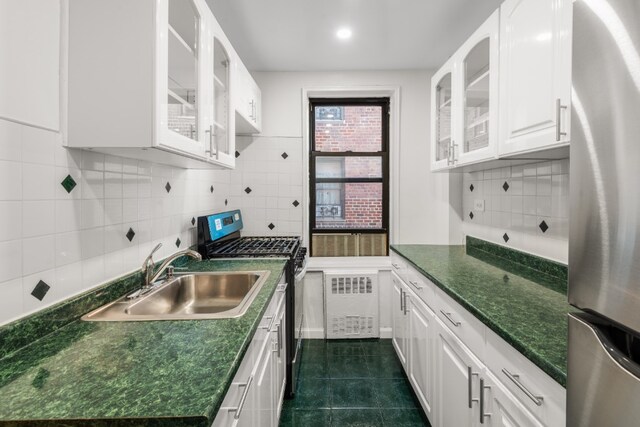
{"x": 190, "y": 296}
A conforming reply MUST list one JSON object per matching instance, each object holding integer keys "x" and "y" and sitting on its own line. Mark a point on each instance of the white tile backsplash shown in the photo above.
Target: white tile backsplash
{"x": 76, "y": 240}
{"x": 274, "y": 182}
{"x": 536, "y": 192}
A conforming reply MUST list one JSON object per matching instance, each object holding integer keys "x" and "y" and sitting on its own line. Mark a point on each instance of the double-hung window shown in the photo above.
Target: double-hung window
{"x": 349, "y": 177}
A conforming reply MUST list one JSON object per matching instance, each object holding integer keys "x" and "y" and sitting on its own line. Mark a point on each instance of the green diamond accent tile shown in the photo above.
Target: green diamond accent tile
{"x": 69, "y": 183}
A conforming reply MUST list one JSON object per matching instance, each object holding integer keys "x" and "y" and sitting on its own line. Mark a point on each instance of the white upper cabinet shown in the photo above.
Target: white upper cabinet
{"x": 30, "y": 62}
{"x": 464, "y": 103}
{"x": 221, "y": 131}
{"x": 479, "y": 93}
{"x": 153, "y": 80}
{"x": 248, "y": 101}
{"x": 442, "y": 106}
{"x": 535, "y": 80}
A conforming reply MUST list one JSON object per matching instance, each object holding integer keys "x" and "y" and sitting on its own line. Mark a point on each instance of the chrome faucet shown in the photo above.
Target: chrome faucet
{"x": 149, "y": 265}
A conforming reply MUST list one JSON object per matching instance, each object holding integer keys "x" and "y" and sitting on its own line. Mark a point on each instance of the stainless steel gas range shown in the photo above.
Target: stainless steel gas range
{"x": 219, "y": 237}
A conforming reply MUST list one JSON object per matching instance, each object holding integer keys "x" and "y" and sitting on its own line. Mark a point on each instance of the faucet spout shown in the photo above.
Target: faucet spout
{"x": 148, "y": 267}
{"x": 167, "y": 262}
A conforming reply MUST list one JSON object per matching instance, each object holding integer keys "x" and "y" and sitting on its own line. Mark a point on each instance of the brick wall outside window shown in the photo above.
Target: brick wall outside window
{"x": 360, "y": 131}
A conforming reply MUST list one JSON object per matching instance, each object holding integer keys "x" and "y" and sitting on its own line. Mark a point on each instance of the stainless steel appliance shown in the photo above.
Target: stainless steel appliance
{"x": 603, "y": 385}
{"x": 219, "y": 237}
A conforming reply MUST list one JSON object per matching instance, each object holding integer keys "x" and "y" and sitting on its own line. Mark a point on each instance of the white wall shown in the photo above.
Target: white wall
{"x": 425, "y": 215}
{"x": 423, "y": 197}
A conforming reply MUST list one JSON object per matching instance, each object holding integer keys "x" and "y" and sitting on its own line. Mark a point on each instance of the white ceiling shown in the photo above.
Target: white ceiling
{"x": 299, "y": 35}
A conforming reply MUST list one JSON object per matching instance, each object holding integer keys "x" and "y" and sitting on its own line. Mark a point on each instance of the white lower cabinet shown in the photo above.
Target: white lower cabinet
{"x": 500, "y": 408}
{"x": 463, "y": 373}
{"x": 399, "y": 336}
{"x": 458, "y": 373}
{"x": 255, "y": 396}
{"x": 420, "y": 354}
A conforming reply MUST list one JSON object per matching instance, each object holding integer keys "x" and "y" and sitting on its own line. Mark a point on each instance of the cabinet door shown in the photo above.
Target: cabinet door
{"x": 421, "y": 352}
{"x": 442, "y": 127}
{"x": 279, "y": 365}
{"x": 220, "y": 132}
{"x": 501, "y": 408}
{"x": 478, "y": 107}
{"x": 535, "y": 74}
{"x": 457, "y": 381}
{"x": 180, "y": 81}
{"x": 399, "y": 334}
{"x": 264, "y": 410}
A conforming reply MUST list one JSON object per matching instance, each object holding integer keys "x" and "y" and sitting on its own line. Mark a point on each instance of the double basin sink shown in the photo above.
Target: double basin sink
{"x": 189, "y": 296}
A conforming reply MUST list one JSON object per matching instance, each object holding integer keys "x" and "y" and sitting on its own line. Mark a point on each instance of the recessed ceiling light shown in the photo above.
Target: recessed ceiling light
{"x": 344, "y": 33}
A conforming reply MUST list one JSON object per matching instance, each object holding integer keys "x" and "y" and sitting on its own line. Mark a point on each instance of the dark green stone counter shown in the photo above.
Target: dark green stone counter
{"x": 529, "y": 313}
{"x": 158, "y": 373}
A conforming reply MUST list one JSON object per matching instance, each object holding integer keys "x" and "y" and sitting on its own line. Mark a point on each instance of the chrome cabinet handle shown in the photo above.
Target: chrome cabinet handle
{"x": 396, "y": 266}
{"x": 516, "y": 380}
{"x": 470, "y": 375}
{"x": 454, "y": 147}
{"x": 559, "y": 108}
{"x": 405, "y": 303}
{"x": 449, "y": 158}
{"x": 243, "y": 398}
{"x": 415, "y": 285}
{"x": 270, "y": 325}
{"x": 401, "y": 300}
{"x": 448, "y": 317}
{"x": 278, "y": 339}
{"x": 482, "y": 389}
{"x": 210, "y": 150}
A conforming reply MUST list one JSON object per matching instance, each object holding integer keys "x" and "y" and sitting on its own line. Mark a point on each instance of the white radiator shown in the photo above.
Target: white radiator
{"x": 351, "y": 304}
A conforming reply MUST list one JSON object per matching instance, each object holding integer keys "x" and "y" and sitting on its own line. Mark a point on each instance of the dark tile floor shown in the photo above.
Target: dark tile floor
{"x": 352, "y": 383}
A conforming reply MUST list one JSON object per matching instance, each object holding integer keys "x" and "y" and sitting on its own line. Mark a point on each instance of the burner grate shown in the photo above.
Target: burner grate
{"x": 256, "y": 246}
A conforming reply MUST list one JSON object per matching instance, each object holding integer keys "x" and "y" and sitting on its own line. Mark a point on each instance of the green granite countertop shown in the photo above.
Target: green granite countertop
{"x": 527, "y": 313}
{"x": 158, "y": 373}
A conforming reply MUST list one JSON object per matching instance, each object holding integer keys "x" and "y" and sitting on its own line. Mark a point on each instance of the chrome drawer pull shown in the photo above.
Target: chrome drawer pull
{"x": 448, "y": 316}
{"x": 559, "y": 108}
{"x": 415, "y": 285}
{"x": 243, "y": 398}
{"x": 396, "y": 266}
{"x": 482, "y": 389}
{"x": 516, "y": 380}
{"x": 401, "y": 300}
{"x": 470, "y": 375}
{"x": 270, "y": 325}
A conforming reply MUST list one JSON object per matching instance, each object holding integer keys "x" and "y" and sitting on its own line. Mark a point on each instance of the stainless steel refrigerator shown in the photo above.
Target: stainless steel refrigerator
{"x": 603, "y": 386}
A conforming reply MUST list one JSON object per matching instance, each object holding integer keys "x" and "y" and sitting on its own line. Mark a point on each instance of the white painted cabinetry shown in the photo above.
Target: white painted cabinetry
{"x": 413, "y": 335}
{"x": 30, "y": 62}
{"x": 399, "y": 319}
{"x": 464, "y": 101}
{"x": 248, "y": 102}
{"x": 421, "y": 366}
{"x": 155, "y": 83}
{"x": 460, "y": 369}
{"x": 535, "y": 80}
{"x": 458, "y": 373}
{"x": 256, "y": 394}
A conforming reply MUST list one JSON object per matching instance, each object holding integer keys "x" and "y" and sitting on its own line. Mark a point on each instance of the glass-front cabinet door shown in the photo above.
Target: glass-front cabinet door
{"x": 478, "y": 75}
{"x": 442, "y": 118}
{"x": 180, "y": 56}
{"x": 221, "y": 142}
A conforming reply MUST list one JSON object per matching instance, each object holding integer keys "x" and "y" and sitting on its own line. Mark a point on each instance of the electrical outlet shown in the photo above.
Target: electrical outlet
{"x": 478, "y": 205}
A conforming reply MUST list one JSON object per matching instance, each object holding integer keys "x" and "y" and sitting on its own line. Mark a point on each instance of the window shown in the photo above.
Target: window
{"x": 349, "y": 179}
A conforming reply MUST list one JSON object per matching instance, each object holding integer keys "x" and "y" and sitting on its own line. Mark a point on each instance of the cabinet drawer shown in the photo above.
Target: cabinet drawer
{"x": 421, "y": 286}
{"x": 462, "y": 323}
{"x": 526, "y": 381}
{"x": 399, "y": 265}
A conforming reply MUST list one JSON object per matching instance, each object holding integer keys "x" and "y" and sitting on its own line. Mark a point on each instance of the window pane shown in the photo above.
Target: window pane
{"x": 348, "y": 128}
{"x": 348, "y": 167}
{"x": 349, "y": 206}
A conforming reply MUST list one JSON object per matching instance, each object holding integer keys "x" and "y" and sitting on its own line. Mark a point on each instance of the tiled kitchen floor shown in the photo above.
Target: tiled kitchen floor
{"x": 352, "y": 383}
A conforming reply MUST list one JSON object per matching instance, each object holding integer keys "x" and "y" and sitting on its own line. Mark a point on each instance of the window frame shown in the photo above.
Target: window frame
{"x": 384, "y": 103}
